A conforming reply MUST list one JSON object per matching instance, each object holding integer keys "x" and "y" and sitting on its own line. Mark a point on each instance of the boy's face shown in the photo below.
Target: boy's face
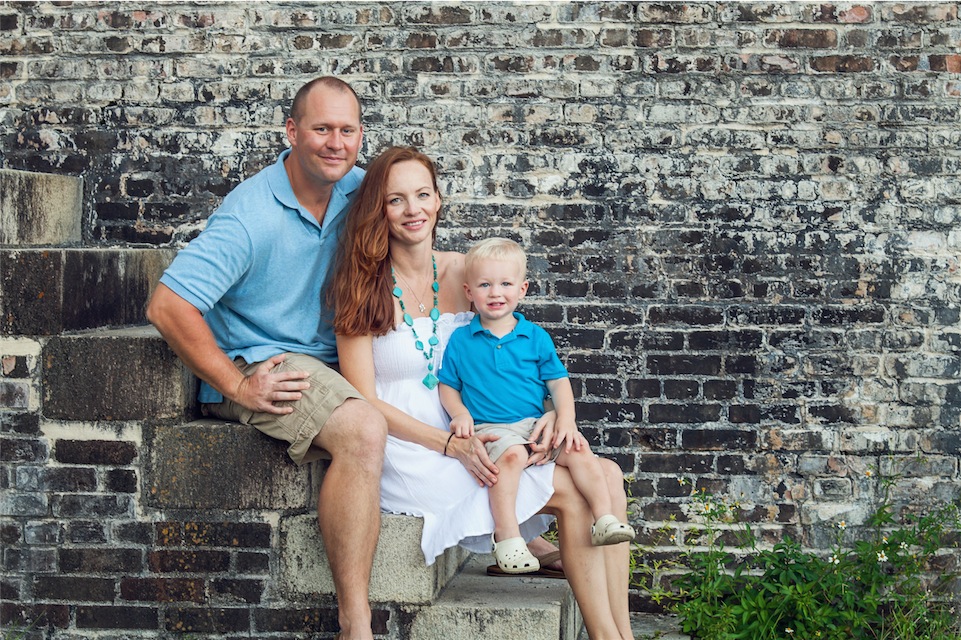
{"x": 495, "y": 287}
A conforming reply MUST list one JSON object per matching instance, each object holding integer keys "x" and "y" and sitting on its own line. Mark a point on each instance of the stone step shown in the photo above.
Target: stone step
{"x": 399, "y": 575}
{"x": 45, "y": 292}
{"x": 220, "y": 465}
{"x": 650, "y": 626}
{"x": 114, "y": 374}
{"x": 476, "y": 605}
{"x": 225, "y": 466}
{"x": 39, "y": 208}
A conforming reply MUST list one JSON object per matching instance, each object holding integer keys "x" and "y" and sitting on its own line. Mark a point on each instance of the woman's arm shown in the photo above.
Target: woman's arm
{"x": 356, "y": 354}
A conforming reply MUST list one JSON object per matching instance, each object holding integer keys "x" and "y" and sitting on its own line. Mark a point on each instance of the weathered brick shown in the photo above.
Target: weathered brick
{"x": 100, "y": 560}
{"x": 188, "y": 561}
{"x": 87, "y": 505}
{"x": 22, "y": 450}
{"x": 117, "y": 617}
{"x": 25, "y": 615}
{"x": 296, "y": 620}
{"x": 74, "y": 589}
{"x": 237, "y": 590}
{"x": 207, "y": 620}
{"x": 162, "y": 590}
{"x": 717, "y": 440}
{"x": 94, "y": 452}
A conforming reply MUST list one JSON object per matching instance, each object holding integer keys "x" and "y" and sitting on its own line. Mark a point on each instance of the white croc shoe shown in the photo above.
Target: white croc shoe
{"x": 610, "y": 530}
{"x": 513, "y": 556}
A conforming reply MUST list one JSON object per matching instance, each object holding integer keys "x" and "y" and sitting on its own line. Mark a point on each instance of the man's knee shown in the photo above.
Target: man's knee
{"x": 356, "y": 430}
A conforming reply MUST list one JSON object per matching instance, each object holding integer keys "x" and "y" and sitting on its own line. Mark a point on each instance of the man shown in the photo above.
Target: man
{"x": 242, "y": 306}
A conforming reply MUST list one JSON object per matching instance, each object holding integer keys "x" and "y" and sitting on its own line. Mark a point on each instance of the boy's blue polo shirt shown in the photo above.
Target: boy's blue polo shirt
{"x": 257, "y": 270}
{"x": 501, "y": 380}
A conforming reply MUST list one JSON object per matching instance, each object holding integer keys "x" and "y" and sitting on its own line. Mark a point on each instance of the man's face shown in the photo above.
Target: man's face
{"x": 326, "y": 138}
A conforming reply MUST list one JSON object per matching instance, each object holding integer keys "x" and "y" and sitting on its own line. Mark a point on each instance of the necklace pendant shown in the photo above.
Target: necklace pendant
{"x": 430, "y": 380}
{"x": 422, "y": 308}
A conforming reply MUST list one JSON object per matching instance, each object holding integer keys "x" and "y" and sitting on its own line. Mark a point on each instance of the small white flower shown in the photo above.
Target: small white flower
{"x": 904, "y": 546}
{"x": 789, "y": 631}
{"x": 834, "y": 559}
{"x": 842, "y": 525}
{"x": 882, "y": 557}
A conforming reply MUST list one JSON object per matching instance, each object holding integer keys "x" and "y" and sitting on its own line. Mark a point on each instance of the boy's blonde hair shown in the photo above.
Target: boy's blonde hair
{"x": 497, "y": 249}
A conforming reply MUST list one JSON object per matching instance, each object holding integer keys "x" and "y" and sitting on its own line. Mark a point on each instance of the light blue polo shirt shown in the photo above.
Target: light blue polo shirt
{"x": 257, "y": 270}
{"x": 501, "y": 380}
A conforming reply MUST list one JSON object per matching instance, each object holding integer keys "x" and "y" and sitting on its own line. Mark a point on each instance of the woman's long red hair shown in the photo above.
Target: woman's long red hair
{"x": 360, "y": 291}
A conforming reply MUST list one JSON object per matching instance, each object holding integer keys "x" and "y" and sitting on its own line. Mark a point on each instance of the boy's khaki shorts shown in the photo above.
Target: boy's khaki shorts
{"x": 328, "y": 390}
{"x": 510, "y": 435}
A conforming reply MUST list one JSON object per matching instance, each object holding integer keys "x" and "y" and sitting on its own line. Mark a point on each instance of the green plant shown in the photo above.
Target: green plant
{"x": 877, "y": 588}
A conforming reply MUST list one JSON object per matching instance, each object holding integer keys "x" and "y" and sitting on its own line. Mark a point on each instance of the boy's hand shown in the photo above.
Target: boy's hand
{"x": 462, "y": 425}
{"x": 541, "y": 437}
{"x": 566, "y": 435}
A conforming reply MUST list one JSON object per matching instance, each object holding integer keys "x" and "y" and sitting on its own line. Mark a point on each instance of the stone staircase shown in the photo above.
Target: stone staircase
{"x": 220, "y": 525}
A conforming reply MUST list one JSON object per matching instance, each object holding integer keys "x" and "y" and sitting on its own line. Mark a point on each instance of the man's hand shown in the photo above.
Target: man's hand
{"x": 262, "y": 390}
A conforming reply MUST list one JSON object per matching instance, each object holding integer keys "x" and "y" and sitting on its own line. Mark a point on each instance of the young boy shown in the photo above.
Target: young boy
{"x": 497, "y": 372}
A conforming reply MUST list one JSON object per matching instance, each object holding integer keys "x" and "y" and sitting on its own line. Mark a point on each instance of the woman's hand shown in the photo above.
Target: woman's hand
{"x": 472, "y": 453}
{"x": 542, "y": 436}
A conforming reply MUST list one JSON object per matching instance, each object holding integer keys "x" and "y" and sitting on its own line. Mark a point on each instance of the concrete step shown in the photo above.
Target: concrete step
{"x": 220, "y": 465}
{"x": 649, "y": 626}
{"x": 39, "y": 208}
{"x": 476, "y": 605}
{"x": 400, "y": 574}
{"x": 45, "y": 292}
{"x": 225, "y": 466}
{"x": 114, "y": 374}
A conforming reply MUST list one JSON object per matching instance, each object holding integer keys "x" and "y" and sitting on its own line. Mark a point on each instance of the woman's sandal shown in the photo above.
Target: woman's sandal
{"x": 513, "y": 556}
{"x": 609, "y": 530}
{"x": 546, "y": 571}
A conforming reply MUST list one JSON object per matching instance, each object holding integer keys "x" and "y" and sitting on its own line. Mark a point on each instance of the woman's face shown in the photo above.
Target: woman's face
{"x": 411, "y": 202}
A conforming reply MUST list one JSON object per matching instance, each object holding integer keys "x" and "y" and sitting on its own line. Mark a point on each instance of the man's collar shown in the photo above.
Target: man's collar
{"x": 284, "y": 192}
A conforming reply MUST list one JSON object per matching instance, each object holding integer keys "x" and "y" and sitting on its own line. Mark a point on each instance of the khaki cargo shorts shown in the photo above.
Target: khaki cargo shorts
{"x": 328, "y": 390}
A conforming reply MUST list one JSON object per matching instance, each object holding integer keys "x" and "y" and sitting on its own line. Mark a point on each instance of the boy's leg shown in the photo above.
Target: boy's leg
{"x": 503, "y": 494}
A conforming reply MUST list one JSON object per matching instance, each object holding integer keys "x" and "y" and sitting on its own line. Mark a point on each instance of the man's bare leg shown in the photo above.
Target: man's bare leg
{"x": 348, "y": 509}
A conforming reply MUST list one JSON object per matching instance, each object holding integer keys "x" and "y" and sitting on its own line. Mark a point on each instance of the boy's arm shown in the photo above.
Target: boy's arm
{"x": 461, "y": 422}
{"x": 565, "y": 427}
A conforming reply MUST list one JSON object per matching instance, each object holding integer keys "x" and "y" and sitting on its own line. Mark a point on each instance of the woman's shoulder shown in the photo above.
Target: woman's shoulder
{"x": 450, "y": 266}
{"x": 450, "y": 260}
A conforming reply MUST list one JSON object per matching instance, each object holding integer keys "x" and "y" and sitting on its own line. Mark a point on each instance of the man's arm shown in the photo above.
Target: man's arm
{"x": 183, "y": 327}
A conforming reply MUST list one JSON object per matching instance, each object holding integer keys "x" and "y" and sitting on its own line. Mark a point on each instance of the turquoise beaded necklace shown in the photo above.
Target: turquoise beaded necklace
{"x": 430, "y": 380}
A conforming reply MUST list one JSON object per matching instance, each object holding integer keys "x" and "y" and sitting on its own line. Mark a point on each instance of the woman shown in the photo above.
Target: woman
{"x": 397, "y": 302}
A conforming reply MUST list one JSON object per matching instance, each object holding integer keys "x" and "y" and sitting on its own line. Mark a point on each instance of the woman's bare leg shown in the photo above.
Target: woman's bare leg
{"x": 589, "y": 478}
{"x": 584, "y": 564}
{"x": 617, "y": 556}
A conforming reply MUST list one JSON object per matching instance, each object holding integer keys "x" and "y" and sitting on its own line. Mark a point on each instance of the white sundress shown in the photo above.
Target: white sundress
{"x": 419, "y": 482}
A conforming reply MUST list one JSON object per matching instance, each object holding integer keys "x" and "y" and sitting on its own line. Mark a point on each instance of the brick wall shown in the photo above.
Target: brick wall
{"x": 743, "y": 218}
